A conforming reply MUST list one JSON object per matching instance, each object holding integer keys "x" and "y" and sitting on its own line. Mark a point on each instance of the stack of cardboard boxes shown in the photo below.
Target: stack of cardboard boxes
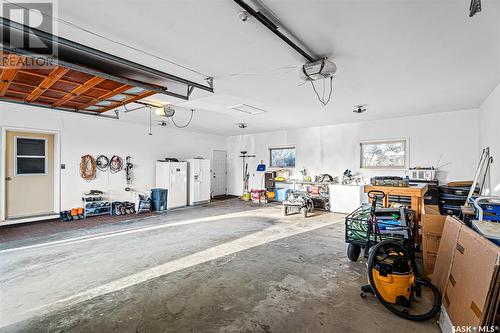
{"x": 468, "y": 277}
{"x": 432, "y": 229}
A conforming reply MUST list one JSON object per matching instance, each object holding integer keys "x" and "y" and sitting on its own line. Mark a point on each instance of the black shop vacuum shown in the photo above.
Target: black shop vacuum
{"x": 394, "y": 280}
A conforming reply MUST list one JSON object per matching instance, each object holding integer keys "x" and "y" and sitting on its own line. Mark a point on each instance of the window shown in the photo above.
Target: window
{"x": 282, "y": 157}
{"x": 384, "y": 154}
{"x": 30, "y": 156}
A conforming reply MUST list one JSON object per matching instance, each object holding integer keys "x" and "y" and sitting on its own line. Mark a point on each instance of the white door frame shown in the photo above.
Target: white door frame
{"x": 212, "y": 170}
{"x": 57, "y": 171}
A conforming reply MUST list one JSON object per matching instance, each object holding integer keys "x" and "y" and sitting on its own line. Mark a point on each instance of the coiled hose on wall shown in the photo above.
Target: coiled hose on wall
{"x": 418, "y": 281}
{"x": 88, "y": 167}
{"x": 115, "y": 164}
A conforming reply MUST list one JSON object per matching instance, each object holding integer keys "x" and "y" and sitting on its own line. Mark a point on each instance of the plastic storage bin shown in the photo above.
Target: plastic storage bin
{"x": 490, "y": 230}
{"x": 159, "y": 194}
{"x": 159, "y": 197}
{"x": 282, "y": 193}
{"x": 159, "y": 206}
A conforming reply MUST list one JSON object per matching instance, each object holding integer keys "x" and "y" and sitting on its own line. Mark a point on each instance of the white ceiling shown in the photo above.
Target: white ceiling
{"x": 399, "y": 57}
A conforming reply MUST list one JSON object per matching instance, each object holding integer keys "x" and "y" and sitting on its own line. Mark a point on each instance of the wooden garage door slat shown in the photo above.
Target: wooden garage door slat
{"x": 79, "y": 90}
{"x": 9, "y": 73}
{"x": 53, "y": 77}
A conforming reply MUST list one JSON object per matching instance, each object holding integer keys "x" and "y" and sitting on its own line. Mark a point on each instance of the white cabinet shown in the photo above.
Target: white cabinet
{"x": 346, "y": 198}
{"x": 173, "y": 177}
{"x": 198, "y": 181}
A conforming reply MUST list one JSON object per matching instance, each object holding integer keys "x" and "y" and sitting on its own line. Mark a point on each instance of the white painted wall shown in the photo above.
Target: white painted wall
{"x": 82, "y": 135}
{"x": 489, "y": 136}
{"x": 449, "y": 137}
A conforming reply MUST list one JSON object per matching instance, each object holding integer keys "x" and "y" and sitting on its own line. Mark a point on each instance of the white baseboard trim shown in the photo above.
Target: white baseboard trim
{"x": 29, "y": 219}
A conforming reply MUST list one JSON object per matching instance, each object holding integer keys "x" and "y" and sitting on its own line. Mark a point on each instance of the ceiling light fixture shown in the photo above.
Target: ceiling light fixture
{"x": 242, "y": 125}
{"x": 359, "y": 108}
{"x": 243, "y": 16}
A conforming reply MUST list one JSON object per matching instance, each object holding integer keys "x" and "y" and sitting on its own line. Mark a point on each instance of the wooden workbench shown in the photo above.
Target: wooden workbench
{"x": 416, "y": 191}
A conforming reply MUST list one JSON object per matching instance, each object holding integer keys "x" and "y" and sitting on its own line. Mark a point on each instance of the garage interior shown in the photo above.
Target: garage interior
{"x": 250, "y": 166}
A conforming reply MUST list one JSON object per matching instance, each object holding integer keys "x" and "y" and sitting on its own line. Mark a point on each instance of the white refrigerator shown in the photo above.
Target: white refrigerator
{"x": 173, "y": 177}
{"x": 198, "y": 181}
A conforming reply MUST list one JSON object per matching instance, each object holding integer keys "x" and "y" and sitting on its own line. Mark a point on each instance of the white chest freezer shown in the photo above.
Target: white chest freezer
{"x": 198, "y": 181}
{"x": 173, "y": 177}
{"x": 346, "y": 198}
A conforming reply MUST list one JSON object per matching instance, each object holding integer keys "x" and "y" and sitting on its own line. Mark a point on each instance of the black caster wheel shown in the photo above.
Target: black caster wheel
{"x": 363, "y": 295}
{"x": 353, "y": 252}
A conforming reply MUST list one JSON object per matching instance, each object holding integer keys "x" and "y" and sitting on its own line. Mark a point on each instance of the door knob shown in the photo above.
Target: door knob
{"x": 8, "y": 178}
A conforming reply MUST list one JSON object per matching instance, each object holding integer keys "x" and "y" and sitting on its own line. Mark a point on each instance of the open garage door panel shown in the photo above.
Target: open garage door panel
{"x": 62, "y": 88}
{"x": 76, "y": 77}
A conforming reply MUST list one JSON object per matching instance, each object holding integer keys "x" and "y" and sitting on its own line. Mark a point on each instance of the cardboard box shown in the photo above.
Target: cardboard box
{"x": 433, "y": 224}
{"x": 446, "y": 252}
{"x": 431, "y": 209}
{"x": 467, "y": 274}
{"x": 429, "y": 263}
{"x": 432, "y": 228}
{"x": 431, "y": 243}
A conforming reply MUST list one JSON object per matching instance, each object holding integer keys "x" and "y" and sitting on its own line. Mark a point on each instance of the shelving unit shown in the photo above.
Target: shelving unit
{"x": 320, "y": 201}
{"x": 97, "y": 204}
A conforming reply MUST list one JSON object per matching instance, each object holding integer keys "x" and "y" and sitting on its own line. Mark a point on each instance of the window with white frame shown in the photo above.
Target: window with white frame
{"x": 30, "y": 156}
{"x": 386, "y": 154}
{"x": 282, "y": 157}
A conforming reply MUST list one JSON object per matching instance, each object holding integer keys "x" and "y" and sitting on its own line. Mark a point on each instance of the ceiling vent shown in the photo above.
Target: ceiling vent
{"x": 247, "y": 109}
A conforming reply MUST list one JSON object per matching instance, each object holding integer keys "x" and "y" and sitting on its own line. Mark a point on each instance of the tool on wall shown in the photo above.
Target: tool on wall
{"x": 246, "y": 176}
{"x": 128, "y": 172}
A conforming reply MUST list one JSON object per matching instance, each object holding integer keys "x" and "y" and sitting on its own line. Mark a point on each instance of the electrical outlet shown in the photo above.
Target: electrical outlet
{"x": 63, "y": 166}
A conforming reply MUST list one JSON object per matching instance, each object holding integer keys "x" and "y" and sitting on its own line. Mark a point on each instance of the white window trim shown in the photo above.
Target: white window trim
{"x": 378, "y": 141}
{"x": 45, "y": 157}
{"x": 284, "y": 167}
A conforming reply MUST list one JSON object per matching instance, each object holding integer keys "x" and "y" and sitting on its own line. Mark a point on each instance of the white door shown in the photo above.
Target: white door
{"x": 29, "y": 174}
{"x": 219, "y": 173}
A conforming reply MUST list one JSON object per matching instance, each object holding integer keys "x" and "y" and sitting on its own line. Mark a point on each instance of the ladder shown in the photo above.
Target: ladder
{"x": 481, "y": 172}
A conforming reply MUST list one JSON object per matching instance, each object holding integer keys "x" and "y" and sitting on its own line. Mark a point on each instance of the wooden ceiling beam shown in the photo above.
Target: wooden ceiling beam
{"x": 89, "y": 84}
{"x": 52, "y": 78}
{"x": 145, "y": 94}
{"x": 9, "y": 73}
{"x": 109, "y": 94}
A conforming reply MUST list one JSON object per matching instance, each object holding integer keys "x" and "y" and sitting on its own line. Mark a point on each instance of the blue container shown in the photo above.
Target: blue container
{"x": 159, "y": 194}
{"x": 282, "y": 193}
{"x": 159, "y": 205}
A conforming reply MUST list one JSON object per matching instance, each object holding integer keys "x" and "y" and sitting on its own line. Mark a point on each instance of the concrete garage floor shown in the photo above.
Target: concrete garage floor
{"x": 225, "y": 267}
